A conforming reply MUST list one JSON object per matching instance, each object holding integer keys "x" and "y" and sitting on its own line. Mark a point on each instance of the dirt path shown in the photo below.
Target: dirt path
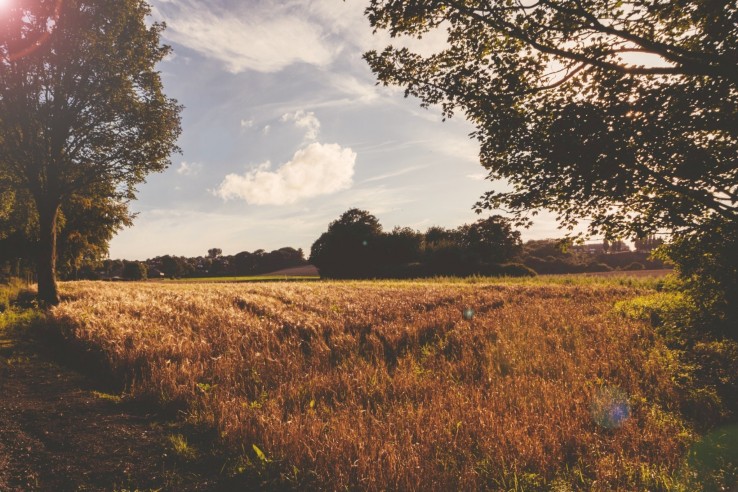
{"x": 58, "y": 434}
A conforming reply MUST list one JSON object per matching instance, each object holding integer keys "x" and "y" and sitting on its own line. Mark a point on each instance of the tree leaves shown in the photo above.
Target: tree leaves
{"x": 568, "y": 113}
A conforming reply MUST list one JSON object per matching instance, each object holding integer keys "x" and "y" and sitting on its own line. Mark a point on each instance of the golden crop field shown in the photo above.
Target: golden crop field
{"x": 400, "y": 385}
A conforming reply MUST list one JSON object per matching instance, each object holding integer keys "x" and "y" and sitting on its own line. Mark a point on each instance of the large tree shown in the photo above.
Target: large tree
{"x": 491, "y": 240}
{"x": 81, "y": 108}
{"x": 622, "y": 112}
{"x": 350, "y": 248}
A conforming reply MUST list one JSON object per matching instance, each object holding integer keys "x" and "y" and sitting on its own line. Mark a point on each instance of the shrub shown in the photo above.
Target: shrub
{"x": 707, "y": 265}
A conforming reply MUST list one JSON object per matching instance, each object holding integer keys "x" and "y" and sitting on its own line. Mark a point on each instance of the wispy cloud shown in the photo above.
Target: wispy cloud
{"x": 247, "y": 123}
{"x": 393, "y": 174}
{"x": 477, "y": 176}
{"x": 305, "y": 120}
{"x": 264, "y": 38}
{"x": 318, "y": 169}
{"x": 189, "y": 169}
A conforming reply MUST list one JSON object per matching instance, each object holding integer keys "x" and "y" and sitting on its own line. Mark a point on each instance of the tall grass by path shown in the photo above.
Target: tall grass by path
{"x": 425, "y": 385}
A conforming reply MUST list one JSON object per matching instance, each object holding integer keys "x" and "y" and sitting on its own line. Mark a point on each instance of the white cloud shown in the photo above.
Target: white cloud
{"x": 318, "y": 169}
{"x": 247, "y": 123}
{"x": 305, "y": 120}
{"x": 262, "y": 38}
{"x": 360, "y": 91}
{"x": 189, "y": 168}
{"x": 465, "y": 149}
{"x": 266, "y": 129}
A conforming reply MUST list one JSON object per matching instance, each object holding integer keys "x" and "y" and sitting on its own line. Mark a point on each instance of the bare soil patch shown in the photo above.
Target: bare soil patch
{"x": 58, "y": 434}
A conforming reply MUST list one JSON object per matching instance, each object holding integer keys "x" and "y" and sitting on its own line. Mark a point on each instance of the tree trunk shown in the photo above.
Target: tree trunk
{"x": 47, "y": 290}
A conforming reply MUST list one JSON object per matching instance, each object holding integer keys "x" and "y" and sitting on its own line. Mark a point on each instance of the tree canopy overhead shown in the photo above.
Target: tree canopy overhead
{"x": 82, "y": 110}
{"x": 623, "y": 112}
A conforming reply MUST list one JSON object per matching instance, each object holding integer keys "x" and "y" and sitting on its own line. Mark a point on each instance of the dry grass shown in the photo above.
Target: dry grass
{"x": 386, "y": 385}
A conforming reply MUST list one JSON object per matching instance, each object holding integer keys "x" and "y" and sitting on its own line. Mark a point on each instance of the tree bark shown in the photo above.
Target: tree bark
{"x": 48, "y": 293}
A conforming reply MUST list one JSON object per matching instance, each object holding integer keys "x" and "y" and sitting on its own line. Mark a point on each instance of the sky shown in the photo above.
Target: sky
{"x": 284, "y": 129}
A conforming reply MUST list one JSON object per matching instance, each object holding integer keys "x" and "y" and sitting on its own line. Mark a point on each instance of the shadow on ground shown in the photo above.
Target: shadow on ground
{"x": 59, "y": 432}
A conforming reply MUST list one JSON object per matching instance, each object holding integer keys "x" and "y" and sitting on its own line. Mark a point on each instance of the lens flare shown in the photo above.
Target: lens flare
{"x": 32, "y": 44}
{"x": 610, "y": 407}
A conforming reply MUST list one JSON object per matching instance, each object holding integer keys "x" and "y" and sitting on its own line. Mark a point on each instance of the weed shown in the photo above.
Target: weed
{"x": 181, "y": 447}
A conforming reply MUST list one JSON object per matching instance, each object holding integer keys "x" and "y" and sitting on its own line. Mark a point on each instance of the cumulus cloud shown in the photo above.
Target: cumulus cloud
{"x": 306, "y": 120}
{"x": 318, "y": 169}
{"x": 189, "y": 168}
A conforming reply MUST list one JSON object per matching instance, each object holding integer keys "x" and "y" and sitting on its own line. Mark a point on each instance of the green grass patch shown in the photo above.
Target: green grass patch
{"x": 658, "y": 308}
{"x": 107, "y": 397}
{"x": 9, "y": 292}
{"x": 181, "y": 447}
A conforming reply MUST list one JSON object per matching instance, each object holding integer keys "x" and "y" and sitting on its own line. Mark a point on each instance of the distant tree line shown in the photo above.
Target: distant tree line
{"x": 356, "y": 246}
{"x": 215, "y": 264}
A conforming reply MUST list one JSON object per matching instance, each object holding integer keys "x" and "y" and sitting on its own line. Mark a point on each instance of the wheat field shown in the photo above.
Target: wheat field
{"x": 399, "y": 385}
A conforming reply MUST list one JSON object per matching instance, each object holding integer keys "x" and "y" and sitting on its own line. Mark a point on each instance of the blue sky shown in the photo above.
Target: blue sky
{"x": 284, "y": 129}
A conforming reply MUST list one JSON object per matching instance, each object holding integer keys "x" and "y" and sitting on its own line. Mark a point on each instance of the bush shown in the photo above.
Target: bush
{"x": 635, "y": 266}
{"x": 707, "y": 265}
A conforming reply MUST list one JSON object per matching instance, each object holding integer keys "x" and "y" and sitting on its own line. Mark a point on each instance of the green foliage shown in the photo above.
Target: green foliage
{"x": 174, "y": 266}
{"x": 659, "y": 308}
{"x": 135, "y": 270}
{"x": 706, "y": 373}
{"x": 87, "y": 223}
{"x": 355, "y": 247}
{"x": 707, "y": 265}
{"x": 350, "y": 247}
{"x": 566, "y": 118}
{"x": 82, "y": 113}
{"x": 714, "y": 460}
{"x": 491, "y": 240}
